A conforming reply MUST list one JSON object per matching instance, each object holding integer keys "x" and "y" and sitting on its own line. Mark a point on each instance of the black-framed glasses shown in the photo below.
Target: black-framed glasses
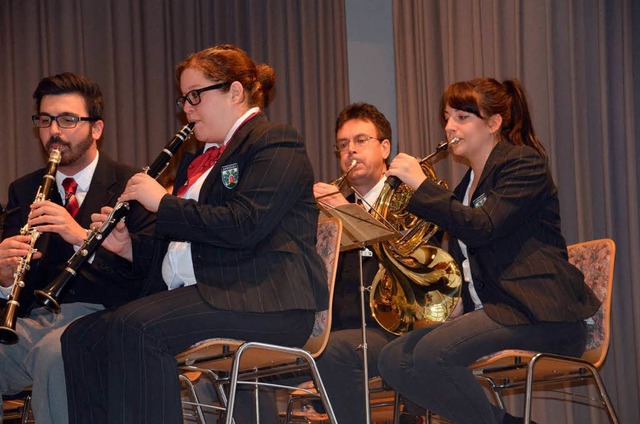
{"x": 193, "y": 96}
{"x": 359, "y": 141}
{"x": 64, "y": 120}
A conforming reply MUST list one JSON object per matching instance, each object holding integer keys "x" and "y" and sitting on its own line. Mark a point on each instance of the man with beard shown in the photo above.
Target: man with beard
{"x": 69, "y": 118}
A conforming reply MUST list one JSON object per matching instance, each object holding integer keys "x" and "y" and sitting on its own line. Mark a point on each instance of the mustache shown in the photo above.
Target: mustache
{"x": 56, "y": 140}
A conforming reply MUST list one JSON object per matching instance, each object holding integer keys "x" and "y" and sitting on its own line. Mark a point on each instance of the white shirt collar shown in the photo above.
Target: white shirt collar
{"x": 234, "y": 127}
{"x": 83, "y": 177}
{"x": 372, "y": 195}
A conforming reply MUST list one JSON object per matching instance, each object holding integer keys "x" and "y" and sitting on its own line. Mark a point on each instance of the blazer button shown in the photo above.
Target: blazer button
{"x": 472, "y": 250}
{"x": 479, "y": 285}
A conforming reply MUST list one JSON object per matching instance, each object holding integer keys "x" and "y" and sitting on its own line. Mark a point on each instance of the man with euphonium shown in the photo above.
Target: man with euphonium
{"x": 363, "y": 135}
{"x": 69, "y": 110}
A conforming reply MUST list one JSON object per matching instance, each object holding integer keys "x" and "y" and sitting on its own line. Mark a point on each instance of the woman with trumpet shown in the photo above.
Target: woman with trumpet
{"x": 520, "y": 292}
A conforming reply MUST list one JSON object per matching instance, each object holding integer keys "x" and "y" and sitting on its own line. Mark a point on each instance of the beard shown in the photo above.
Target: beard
{"x": 70, "y": 153}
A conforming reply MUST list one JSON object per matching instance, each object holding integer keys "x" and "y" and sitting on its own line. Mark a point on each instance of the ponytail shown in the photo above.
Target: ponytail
{"x": 520, "y": 131}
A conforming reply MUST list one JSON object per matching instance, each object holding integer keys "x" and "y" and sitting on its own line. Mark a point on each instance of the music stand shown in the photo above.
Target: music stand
{"x": 360, "y": 230}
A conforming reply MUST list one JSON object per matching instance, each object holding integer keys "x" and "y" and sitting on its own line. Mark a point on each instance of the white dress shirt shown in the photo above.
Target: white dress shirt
{"x": 466, "y": 269}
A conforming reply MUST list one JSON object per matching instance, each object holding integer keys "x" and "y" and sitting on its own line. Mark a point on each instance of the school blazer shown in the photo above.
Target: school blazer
{"x": 517, "y": 254}
{"x": 253, "y": 229}
{"x": 101, "y": 281}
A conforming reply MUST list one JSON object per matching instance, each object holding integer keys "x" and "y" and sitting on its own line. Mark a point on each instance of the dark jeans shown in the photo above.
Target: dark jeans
{"x": 429, "y": 365}
{"x": 120, "y": 366}
{"x": 342, "y": 371}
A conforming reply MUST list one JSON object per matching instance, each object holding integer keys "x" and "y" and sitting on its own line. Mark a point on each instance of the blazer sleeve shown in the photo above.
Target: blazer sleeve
{"x": 266, "y": 192}
{"x": 517, "y": 187}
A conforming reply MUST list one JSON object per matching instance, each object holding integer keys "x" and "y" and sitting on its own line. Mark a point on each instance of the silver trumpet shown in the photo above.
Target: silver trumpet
{"x": 8, "y": 334}
{"x": 442, "y": 146}
{"x": 341, "y": 179}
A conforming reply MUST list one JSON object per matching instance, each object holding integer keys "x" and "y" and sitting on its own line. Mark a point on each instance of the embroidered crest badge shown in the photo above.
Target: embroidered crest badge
{"x": 479, "y": 201}
{"x": 230, "y": 175}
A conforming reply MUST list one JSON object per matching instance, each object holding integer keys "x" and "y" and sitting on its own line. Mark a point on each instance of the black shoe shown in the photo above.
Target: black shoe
{"x": 510, "y": 419}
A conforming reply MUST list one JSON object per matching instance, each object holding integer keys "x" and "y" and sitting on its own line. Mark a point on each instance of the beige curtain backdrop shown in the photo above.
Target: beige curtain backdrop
{"x": 131, "y": 49}
{"x": 577, "y": 60}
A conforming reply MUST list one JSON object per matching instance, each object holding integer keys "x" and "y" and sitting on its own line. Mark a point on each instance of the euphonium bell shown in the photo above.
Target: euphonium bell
{"x": 418, "y": 284}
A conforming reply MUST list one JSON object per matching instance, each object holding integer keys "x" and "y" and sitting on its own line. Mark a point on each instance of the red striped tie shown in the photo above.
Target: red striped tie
{"x": 71, "y": 203}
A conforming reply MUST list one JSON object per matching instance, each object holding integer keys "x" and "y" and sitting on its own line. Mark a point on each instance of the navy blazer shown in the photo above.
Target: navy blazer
{"x": 101, "y": 282}
{"x": 517, "y": 254}
{"x": 253, "y": 229}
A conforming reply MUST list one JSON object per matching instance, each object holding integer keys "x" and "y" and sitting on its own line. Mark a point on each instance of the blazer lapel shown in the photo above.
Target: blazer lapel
{"x": 101, "y": 190}
{"x": 495, "y": 157}
{"x": 235, "y": 142}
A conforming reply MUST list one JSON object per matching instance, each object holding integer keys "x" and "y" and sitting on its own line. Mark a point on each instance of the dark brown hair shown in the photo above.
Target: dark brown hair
{"x": 228, "y": 63}
{"x": 365, "y": 112}
{"x": 485, "y": 97}
{"x": 369, "y": 113}
{"x": 68, "y": 83}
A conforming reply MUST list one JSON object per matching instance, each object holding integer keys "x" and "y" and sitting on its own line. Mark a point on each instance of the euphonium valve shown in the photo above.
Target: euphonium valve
{"x": 418, "y": 283}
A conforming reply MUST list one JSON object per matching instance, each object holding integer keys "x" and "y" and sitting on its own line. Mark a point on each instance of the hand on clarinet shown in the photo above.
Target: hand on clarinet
{"x": 323, "y": 189}
{"x": 408, "y": 169}
{"x": 146, "y": 190}
{"x": 119, "y": 241}
{"x": 48, "y": 217}
{"x": 11, "y": 250}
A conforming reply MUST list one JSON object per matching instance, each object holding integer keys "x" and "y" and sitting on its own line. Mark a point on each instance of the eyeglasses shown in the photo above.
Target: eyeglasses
{"x": 193, "y": 96}
{"x": 64, "y": 120}
{"x": 359, "y": 141}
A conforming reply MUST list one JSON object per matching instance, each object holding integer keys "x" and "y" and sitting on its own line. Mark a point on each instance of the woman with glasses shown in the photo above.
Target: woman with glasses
{"x": 520, "y": 291}
{"x": 234, "y": 245}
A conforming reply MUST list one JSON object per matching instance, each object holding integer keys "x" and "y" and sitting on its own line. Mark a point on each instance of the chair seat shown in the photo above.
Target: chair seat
{"x": 517, "y": 369}
{"x": 232, "y": 362}
{"x": 218, "y": 355}
{"x": 510, "y": 367}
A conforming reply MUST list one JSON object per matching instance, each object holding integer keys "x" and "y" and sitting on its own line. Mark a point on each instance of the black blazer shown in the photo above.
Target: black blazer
{"x": 252, "y": 238}
{"x": 517, "y": 254}
{"x": 101, "y": 282}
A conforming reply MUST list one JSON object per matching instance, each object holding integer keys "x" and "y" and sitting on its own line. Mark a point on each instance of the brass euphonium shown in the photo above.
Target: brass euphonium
{"x": 418, "y": 284}
{"x": 8, "y": 334}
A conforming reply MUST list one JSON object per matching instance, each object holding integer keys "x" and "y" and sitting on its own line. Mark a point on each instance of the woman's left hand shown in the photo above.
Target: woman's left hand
{"x": 147, "y": 191}
{"x": 408, "y": 169}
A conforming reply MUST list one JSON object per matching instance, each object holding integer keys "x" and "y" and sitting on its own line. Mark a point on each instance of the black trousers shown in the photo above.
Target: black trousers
{"x": 341, "y": 367}
{"x": 429, "y": 364}
{"x": 120, "y": 366}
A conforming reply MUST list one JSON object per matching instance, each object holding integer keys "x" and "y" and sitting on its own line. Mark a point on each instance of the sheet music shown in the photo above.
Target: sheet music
{"x": 359, "y": 228}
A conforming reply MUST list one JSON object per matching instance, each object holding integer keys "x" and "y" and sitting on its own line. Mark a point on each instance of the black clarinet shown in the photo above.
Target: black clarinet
{"x": 49, "y": 296}
{"x": 8, "y": 333}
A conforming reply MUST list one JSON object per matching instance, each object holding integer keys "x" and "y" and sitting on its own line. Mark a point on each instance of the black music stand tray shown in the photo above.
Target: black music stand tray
{"x": 359, "y": 230}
